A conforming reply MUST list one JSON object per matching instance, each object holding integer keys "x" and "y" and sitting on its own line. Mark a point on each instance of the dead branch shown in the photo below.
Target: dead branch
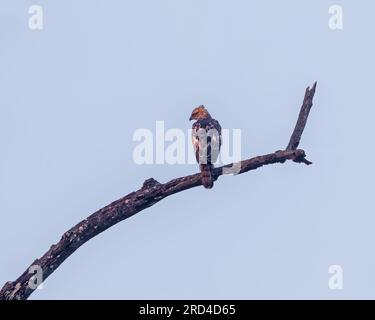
{"x": 150, "y": 193}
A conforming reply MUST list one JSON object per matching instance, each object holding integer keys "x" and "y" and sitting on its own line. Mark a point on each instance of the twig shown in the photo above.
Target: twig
{"x": 302, "y": 118}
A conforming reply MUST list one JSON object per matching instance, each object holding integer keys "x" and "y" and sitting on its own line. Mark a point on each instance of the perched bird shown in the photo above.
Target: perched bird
{"x": 207, "y": 142}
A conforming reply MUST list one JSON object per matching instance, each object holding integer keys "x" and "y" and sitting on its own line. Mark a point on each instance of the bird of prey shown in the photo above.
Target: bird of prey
{"x": 206, "y": 142}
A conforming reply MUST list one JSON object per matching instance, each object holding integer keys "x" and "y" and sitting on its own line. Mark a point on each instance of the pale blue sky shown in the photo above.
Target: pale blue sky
{"x": 73, "y": 94}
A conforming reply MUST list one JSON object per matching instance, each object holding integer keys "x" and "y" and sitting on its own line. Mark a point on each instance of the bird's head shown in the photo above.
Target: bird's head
{"x": 199, "y": 113}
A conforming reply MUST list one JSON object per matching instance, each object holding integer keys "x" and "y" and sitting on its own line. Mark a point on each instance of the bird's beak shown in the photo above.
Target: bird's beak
{"x": 191, "y": 118}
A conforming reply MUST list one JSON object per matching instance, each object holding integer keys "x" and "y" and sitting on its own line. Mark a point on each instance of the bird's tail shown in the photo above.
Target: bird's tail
{"x": 207, "y": 175}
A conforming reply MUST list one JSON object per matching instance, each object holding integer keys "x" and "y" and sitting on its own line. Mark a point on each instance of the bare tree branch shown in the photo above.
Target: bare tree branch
{"x": 150, "y": 193}
{"x": 302, "y": 118}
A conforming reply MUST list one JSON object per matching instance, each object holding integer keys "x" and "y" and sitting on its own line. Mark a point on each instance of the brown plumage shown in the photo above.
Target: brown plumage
{"x": 207, "y": 142}
{"x": 207, "y": 175}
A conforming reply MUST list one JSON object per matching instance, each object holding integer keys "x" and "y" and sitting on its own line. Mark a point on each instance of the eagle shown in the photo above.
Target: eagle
{"x": 206, "y": 136}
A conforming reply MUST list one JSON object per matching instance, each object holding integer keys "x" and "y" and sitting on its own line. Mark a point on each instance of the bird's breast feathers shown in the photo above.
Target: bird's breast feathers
{"x": 206, "y": 136}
